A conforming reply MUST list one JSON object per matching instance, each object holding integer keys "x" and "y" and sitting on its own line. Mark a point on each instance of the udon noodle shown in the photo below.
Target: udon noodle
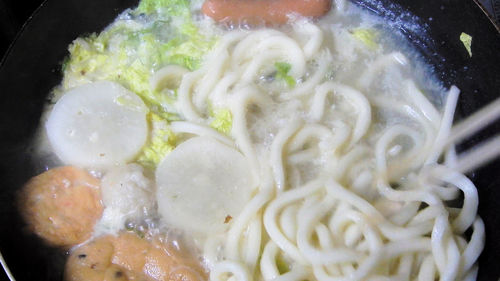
{"x": 335, "y": 200}
{"x": 347, "y": 171}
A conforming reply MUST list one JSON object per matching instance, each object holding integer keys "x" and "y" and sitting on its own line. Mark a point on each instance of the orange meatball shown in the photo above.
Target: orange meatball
{"x": 154, "y": 259}
{"x": 185, "y": 274}
{"x": 130, "y": 257}
{"x": 62, "y": 205}
{"x": 92, "y": 262}
{"x": 130, "y": 251}
{"x": 117, "y": 273}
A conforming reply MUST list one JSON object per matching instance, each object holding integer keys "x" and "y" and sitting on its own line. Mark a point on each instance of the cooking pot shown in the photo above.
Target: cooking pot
{"x": 32, "y": 67}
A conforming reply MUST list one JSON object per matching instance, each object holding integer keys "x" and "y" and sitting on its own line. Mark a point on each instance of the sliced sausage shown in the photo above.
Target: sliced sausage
{"x": 272, "y": 12}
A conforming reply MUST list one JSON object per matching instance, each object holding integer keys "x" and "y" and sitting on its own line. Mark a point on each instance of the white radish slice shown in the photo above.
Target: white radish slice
{"x": 97, "y": 125}
{"x": 201, "y": 184}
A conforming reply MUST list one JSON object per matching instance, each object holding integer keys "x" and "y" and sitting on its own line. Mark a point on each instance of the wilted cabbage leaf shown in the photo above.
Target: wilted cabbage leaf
{"x": 161, "y": 141}
{"x": 282, "y": 69}
{"x": 367, "y": 36}
{"x": 222, "y": 121}
{"x": 467, "y": 41}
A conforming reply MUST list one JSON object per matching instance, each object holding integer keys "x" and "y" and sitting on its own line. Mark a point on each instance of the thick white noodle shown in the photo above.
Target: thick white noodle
{"x": 307, "y": 88}
{"x": 358, "y": 100}
{"x": 239, "y": 271}
{"x": 339, "y": 197}
{"x": 200, "y": 130}
{"x": 268, "y": 266}
{"x": 306, "y": 29}
{"x": 250, "y": 211}
{"x": 242, "y": 99}
{"x": 445, "y": 126}
{"x": 184, "y": 97}
{"x": 422, "y": 103}
{"x": 277, "y": 151}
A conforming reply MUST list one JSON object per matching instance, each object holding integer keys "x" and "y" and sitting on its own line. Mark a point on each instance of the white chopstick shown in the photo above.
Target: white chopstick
{"x": 6, "y": 268}
{"x": 475, "y": 122}
{"x": 482, "y": 153}
{"x": 479, "y": 155}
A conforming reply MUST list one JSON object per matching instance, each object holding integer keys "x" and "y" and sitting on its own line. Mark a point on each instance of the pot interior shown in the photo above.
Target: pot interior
{"x": 32, "y": 67}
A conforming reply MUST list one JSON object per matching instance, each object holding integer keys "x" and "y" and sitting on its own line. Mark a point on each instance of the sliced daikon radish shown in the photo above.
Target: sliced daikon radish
{"x": 202, "y": 184}
{"x": 97, "y": 125}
